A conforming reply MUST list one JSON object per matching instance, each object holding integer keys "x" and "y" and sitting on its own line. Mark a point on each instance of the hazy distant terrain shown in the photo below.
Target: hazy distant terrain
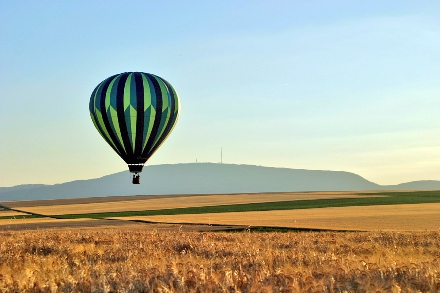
{"x": 20, "y": 187}
{"x": 207, "y": 178}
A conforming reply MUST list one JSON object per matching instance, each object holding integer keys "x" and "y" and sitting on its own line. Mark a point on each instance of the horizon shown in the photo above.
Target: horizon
{"x": 315, "y": 85}
{"x": 218, "y": 163}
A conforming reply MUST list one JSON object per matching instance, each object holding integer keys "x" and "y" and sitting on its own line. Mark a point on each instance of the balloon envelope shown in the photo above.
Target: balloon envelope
{"x": 134, "y": 112}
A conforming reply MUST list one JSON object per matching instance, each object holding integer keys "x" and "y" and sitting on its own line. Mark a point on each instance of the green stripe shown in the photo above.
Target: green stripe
{"x": 165, "y": 111}
{"x": 130, "y": 119}
{"x": 134, "y": 107}
{"x": 127, "y": 92}
{"x": 149, "y": 115}
{"x": 147, "y": 93}
{"x": 107, "y": 94}
{"x": 147, "y": 132}
{"x": 98, "y": 120}
{"x": 173, "y": 116}
{"x": 165, "y": 94}
{"x": 113, "y": 117}
{"x": 111, "y": 112}
{"x": 133, "y": 119}
{"x": 98, "y": 90}
{"x": 176, "y": 101}
{"x": 162, "y": 127}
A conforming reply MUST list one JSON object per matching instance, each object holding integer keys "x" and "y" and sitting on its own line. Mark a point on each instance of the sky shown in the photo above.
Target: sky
{"x": 324, "y": 85}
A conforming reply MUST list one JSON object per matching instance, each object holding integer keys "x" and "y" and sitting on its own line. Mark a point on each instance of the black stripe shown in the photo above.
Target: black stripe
{"x": 92, "y": 100}
{"x": 157, "y": 118}
{"x": 140, "y": 114}
{"x": 101, "y": 131}
{"x": 121, "y": 116}
{"x": 109, "y": 129}
{"x": 171, "y": 120}
{"x": 96, "y": 122}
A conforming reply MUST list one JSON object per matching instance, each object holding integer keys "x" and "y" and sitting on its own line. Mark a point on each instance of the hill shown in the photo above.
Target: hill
{"x": 207, "y": 178}
{"x": 416, "y": 185}
{"x": 20, "y": 187}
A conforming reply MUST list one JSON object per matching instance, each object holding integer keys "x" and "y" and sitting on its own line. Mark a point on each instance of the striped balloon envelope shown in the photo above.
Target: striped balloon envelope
{"x": 134, "y": 112}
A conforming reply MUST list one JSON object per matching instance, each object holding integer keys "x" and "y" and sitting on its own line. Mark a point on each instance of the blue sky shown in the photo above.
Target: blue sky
{"x": 328, "y": 85}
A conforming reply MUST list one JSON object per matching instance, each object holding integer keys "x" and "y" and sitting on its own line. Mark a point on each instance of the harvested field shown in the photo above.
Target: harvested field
{"x": 112, "y": 260}
{"x": 160, "y": 203}
{"x": 36, "y": 221}
{"x": 405, "y": 217}
{"x": 50, "y": 223}
{"x": 32, "y": 224}
{"x": 7, "y": 213}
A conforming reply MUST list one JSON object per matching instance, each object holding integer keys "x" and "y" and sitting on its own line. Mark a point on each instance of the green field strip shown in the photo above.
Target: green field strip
{"x": 382, "y": 198}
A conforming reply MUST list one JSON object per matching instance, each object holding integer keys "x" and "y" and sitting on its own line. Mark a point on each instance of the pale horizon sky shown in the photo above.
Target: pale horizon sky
{"x": 324, "y": 85}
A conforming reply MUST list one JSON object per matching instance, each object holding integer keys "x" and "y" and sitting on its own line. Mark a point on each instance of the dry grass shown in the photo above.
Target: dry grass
{"x": 410, "y": 217}
{"x": 139, "y": 261}
{"x": 181, "y": 202}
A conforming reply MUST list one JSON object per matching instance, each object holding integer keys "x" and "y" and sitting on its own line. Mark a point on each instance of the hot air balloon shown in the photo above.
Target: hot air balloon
{"x": 134, "y": 112}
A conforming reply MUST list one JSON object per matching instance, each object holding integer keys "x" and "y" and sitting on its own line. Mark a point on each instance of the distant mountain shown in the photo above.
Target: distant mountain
{"x": 416, "y": 185}
{"x": 207, "y": 178}
{"x": 20, "y": 187}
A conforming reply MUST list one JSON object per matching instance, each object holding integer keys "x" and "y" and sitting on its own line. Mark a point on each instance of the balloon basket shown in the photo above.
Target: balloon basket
{"x": 136, "y": 178}
{"x": 136, "y": 169}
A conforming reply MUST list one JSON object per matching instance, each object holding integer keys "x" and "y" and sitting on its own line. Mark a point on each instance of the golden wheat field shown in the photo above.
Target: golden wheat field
{"x": 106, "y": 260}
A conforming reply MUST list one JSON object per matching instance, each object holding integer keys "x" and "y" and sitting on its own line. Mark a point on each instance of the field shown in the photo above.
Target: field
{"x": 405, "y": 217}
{"x": 271, "y": 242}
{"x": 9, "y": 214}
{"x": 161, "y": 203}
{"x": 349, "y": 211}
{"x": 132, "y": 260}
